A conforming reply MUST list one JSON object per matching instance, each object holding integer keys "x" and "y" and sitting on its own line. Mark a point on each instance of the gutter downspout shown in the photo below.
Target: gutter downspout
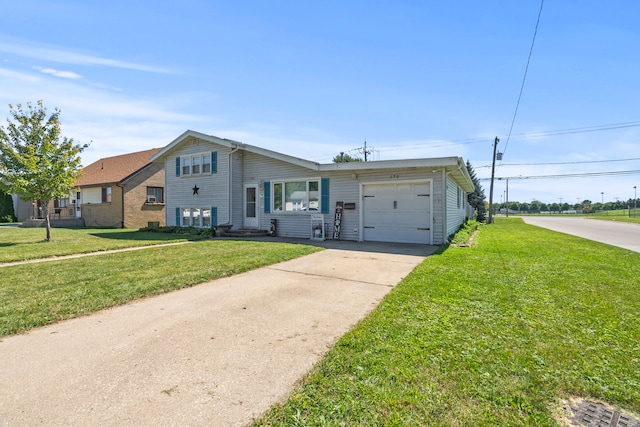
{"x": 445, "y": 234}
{"x": 122, "y": 191}
{"x": 231, "y": 182}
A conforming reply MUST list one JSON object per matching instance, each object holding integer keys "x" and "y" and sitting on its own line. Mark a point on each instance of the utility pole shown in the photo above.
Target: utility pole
{"x": 493, "y": 170}
{"x": 365, "y": 150}
{"x": 507, "y": 196}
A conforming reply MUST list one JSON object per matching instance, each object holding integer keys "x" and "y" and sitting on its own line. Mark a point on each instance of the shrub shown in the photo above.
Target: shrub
{"x": 189, "y": 231}
{"x": 464, "y": 233}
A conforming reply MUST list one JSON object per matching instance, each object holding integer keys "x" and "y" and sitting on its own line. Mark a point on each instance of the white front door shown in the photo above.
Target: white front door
{"x": 251, "y": 219}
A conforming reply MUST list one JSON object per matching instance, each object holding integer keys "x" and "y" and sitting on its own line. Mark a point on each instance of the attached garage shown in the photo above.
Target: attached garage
{"x": 397, "y": 212}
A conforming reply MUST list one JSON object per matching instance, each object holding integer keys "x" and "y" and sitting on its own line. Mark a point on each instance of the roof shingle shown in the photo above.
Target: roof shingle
{"x": 115, "y": 169}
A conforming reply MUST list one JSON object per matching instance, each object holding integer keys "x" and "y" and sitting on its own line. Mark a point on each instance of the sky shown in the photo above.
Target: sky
{"x": 414, "y": 79}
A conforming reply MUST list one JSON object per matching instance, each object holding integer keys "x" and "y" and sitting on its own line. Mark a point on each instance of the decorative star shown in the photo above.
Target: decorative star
{"x": 195, "y": 189}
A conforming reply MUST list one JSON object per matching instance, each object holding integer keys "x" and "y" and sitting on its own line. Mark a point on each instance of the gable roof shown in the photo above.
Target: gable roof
{"x": 229, "y": 143}
{"x": 454, "y": 166}
{"x": 116, "y": 169}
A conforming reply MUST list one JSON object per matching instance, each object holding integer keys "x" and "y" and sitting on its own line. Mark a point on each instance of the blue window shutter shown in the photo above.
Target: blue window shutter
{"x": 214, "y": 217}
{"x": 214, "y": 162}
{"x": 324, "y": 195}
{"x": 177, "y": 216}
{"x": 267, "y": 197}
{"x": 178, "y": 166}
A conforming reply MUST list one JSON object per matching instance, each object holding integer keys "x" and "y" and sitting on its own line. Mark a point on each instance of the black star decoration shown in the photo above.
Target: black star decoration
{"x": 195, "y": 190}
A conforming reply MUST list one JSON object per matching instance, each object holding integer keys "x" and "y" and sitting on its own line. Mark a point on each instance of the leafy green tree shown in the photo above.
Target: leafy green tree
{"x": 477, "y": 197}
{"x": 535, "y": 206}
{"x": 345, "y": 158}
{"x": 36, "y": 162}
{"x": 6, "y": 207}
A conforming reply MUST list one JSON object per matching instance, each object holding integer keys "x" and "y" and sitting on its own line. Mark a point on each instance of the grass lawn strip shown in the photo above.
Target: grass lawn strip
{"x": 494, "y": 334}
{"x": 36, "y": 295}
{"x": 81, "y": 255}
{"x": 19, "y": 244}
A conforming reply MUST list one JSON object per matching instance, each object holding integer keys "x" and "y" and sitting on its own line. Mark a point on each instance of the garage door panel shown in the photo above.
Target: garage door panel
{"x": 397, "y": 213}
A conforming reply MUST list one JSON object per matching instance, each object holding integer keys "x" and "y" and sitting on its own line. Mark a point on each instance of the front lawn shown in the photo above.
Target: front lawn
{"x": 33, "y": 295}
{"x": 19, "y": 244}
{"x": 492, "y": 335}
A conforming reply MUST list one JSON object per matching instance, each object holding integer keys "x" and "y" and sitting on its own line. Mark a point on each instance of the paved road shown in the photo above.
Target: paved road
{"x": 622, "y": 234}
{"x": 217, "y": 354}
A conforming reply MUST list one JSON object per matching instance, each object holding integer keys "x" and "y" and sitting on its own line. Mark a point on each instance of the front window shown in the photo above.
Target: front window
{"x": 277, "y": 196}
{"x": 186, "y": 166}
{"x": 186, "y": 217}
{"x": 106, "y": 195}
{"x": 195, "y": 165}
{"x": 196, "y": 217}
{"x": 206, "y": 163}
{"x": 60, "y": 202}
{"x": 296, "y": 196}
{"x": 155, "y": 195}
{"x": 206, "y": 217}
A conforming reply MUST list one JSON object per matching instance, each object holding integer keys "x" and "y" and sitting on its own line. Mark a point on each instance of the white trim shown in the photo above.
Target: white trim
{"x": 255, "y": 222}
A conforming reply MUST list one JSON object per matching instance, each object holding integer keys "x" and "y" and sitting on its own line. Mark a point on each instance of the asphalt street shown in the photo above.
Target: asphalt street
{"x": 621, "y": 234}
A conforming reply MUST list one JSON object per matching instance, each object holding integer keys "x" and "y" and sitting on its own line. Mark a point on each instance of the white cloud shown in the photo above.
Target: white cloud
{"x": 42, "y": 52}
{"x": 59, "y": 73}
{"x": 14, "y": 75}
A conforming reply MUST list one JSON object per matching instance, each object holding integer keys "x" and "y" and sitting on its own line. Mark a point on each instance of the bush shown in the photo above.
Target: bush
{"x": 7, "y": 218}
{"x": 464, "y": 233}
{"x": 189, "y": 231}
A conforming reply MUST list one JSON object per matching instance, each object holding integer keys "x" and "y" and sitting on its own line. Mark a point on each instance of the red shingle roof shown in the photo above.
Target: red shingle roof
{"x": 115, "y": 169}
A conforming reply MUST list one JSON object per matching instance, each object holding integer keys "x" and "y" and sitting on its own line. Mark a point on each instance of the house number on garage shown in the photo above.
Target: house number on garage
{"x": 394, "y": 176}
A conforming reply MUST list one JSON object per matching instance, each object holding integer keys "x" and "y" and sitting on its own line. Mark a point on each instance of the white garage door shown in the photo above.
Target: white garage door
{"x": 397, "y": 213}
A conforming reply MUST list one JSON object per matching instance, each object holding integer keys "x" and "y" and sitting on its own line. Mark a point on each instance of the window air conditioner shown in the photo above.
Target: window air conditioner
{"x": 151, "y": 199}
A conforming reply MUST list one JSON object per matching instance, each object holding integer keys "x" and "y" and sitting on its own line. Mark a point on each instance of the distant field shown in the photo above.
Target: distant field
{"x": 621, "y": 215}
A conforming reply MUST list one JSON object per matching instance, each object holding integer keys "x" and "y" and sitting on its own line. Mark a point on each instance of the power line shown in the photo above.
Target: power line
{"x": 570, "y": 175}
{"x": 556, "y": 132}
{"x": 564, "y": 163}
{"x": 524, "y": 78}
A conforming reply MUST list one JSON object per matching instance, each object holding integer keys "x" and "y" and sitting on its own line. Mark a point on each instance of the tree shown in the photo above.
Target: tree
{"x": 535, "y": 206}
{"x": 34, "y": 162}
{"x": 345, "y": 158}
{"x": 477, "y": 198}
{"x": 6, "y": 207}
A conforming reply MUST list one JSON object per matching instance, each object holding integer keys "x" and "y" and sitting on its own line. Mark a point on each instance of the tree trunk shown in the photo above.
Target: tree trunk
{"x": 45, "y": 212}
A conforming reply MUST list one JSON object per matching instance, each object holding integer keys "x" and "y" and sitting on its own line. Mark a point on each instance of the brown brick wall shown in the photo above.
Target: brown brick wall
{"x": 138, "y": 213}
{"x": 104, "y": 214}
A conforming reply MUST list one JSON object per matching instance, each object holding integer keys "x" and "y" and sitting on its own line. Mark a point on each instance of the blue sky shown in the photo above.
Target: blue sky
{"x": 311, "y": 79}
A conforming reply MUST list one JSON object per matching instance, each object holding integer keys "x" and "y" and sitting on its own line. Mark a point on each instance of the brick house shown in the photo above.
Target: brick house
{"x": 125, "y": 191}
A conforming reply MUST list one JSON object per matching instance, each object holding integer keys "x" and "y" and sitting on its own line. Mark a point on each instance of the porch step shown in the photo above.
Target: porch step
{"x": 244, "y": 232}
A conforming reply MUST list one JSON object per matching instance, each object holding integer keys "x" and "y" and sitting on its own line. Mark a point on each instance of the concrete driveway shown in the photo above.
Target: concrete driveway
{"x": 217, "y": 354}
{"x": 621, "y": 234}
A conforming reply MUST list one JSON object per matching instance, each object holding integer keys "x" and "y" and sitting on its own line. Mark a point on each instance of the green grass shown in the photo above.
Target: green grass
{"x": 621, "y": 215}
{"x": 33, "y": 295}
{"x": 494, "y": 334}
{"x": 18, "y": 244}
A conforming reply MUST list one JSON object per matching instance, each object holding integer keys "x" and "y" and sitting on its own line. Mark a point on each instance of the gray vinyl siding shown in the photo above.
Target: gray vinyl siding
{"x": 455, "y": 214}
{"x": 237, "y": 199}
{"x": 213, "y": 189}
{"x": 258, "y": 170}
{"x": 344, "y": 187}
